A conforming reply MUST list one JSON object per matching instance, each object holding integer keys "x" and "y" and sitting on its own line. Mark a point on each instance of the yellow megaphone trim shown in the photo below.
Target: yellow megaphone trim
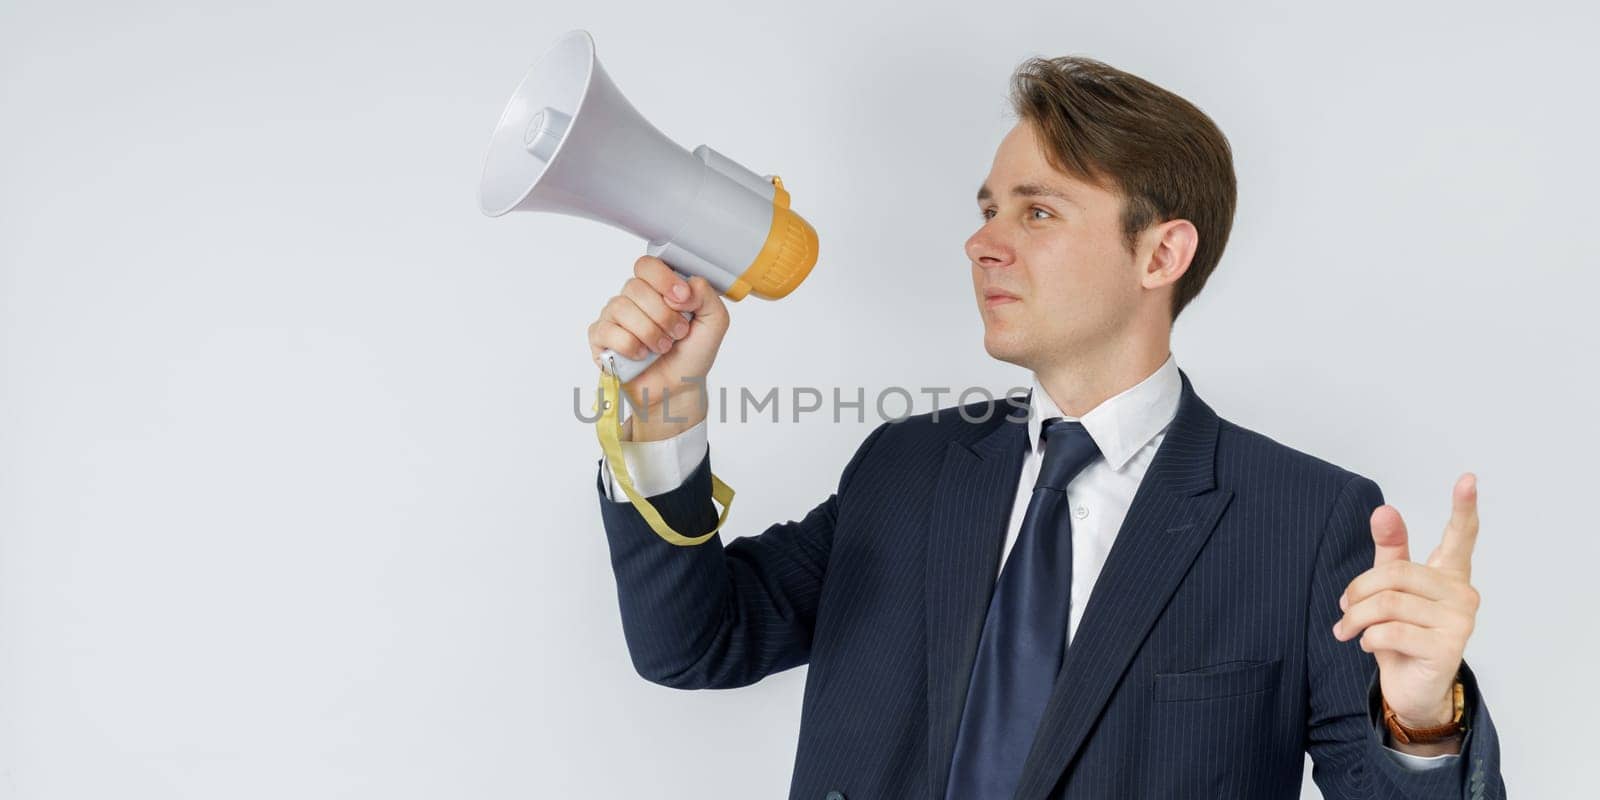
{"x": 786, "y": 257}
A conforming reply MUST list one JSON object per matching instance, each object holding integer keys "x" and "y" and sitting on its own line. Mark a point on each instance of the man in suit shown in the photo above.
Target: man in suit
{"x": 1101, "y": 590}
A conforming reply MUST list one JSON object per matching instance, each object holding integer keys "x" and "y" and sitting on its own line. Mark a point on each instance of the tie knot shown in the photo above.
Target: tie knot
{"x": 1068, "y": 448}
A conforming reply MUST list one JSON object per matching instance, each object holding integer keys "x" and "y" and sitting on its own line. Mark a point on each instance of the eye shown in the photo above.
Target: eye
{"x": 984, "y": 213}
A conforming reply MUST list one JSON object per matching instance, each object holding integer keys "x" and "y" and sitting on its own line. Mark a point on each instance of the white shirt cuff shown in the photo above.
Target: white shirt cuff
{"x": 1421, "y": 763}
{"x": 658, "y": 466}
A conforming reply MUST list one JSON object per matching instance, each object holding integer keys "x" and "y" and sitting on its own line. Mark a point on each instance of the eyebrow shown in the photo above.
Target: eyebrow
{"x": 1026, "y": 190}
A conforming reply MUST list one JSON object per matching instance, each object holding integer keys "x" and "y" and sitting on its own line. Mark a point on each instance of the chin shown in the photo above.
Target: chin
{"x": 1004, "y": 347}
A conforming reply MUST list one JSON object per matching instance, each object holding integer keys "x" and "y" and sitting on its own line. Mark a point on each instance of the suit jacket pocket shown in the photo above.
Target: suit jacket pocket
{"x": 1212, "y": 730}
{"x": 1225, "y": 679}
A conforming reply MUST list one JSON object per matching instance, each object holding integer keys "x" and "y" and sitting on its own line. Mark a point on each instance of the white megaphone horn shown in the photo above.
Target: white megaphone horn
{"x": 570, "y": 143}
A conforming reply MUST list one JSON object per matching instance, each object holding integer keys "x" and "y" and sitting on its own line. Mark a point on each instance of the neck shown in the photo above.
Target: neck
{"x": 1085, "y": 380}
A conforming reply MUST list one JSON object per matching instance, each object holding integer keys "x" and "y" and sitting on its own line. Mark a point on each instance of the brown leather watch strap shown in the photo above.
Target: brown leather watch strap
{"x": 1405, "y": 735}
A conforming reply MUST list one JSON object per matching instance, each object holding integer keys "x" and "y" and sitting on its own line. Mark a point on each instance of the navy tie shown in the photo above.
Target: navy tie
{"x": 1024, "y": 635}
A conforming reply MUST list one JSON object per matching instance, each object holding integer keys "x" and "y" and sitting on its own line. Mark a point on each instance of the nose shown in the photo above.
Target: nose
{"x": 986, "y": 250}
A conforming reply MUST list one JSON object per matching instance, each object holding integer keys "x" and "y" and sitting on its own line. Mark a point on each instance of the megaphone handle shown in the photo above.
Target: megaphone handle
{"x": 626, "y": 369}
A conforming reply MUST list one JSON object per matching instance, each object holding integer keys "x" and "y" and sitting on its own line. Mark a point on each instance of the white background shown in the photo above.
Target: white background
{"x": 293, "y": 502}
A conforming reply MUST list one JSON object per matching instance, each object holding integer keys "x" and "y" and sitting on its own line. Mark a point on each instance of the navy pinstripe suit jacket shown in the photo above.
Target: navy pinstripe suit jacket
{"x": 1204, "y": 664}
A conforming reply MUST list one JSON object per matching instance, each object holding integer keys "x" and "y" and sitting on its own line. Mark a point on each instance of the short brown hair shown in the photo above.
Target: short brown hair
{"x": 1120, "y": 131}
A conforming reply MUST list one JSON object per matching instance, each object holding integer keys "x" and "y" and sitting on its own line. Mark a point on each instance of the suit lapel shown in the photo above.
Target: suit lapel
{"x": 1173, "y": 513}
{"x": 966, "y": 531}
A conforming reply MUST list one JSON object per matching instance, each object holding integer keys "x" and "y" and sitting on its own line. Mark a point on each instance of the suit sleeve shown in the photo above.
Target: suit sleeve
{"x": 710, "y": 616}
{"x": 1344, "y": 735}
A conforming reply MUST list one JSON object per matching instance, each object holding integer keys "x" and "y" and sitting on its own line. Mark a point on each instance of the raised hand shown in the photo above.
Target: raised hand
{"x": 1416, "y": 618}
{"x": 668, "y": 397}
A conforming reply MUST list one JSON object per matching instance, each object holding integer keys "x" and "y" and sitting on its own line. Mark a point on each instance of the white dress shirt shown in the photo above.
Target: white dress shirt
{"x": 1128, "y": 429}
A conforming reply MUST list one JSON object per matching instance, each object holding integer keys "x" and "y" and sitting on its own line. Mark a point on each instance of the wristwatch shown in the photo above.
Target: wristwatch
{"x": 1405, "y": 735}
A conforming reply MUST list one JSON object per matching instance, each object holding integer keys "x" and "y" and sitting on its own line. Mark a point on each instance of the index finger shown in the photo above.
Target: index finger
{"x": 663, "y": 279}
{"x": 1461, "y": 534}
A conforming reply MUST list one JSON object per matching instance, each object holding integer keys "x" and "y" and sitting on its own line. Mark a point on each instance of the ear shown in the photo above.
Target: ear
{"x": 1172, "y": 245}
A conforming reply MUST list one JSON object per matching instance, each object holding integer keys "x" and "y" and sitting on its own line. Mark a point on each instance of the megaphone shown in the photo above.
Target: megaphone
{"x": 570, "y": 143}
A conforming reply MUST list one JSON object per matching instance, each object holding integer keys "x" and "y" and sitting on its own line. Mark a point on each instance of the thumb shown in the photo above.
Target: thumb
{"x": 1389, "y": 536}
{"x": 706, "y": 304}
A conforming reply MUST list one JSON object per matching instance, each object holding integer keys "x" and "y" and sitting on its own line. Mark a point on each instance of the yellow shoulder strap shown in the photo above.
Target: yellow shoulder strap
{"x": 609, "y": 429}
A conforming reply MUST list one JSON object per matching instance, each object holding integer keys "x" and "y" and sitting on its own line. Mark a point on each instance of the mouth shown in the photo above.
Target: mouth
{"x": 995, "y": 297}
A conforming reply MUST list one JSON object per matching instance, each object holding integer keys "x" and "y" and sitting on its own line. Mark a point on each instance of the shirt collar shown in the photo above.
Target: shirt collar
{"x": 1123, "y": 424}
